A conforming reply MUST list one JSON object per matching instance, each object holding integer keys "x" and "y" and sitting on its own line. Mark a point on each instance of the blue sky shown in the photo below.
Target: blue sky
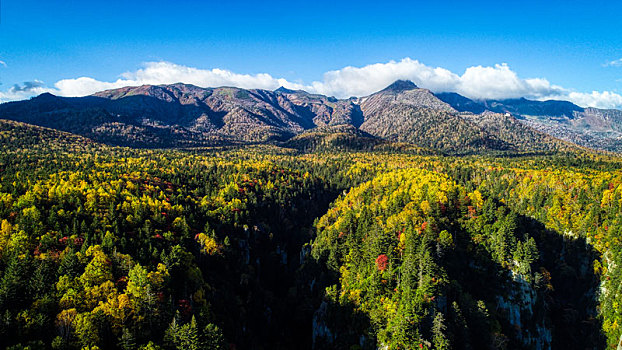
{"x": 571, "y": 47}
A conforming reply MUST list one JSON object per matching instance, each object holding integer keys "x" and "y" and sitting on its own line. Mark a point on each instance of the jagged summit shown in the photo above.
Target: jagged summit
{"x": 45, "y": 95}
{"x": 285, "y": 90}
{"x": 400, "y": 85}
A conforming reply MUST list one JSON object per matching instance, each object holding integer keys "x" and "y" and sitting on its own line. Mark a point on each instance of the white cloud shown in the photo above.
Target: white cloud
{"x": 614, "y": 63}
{"x": 501, "y": 82}
{"x": 354, "y": 81}
{"x": 477, "y": 82}
{"x": 24, "y": 91}
{"x": 85, "y": 86}
{"x": 169, "y": 73}
{"x": 2, "y": 63}
{"x": 605, "y": 99}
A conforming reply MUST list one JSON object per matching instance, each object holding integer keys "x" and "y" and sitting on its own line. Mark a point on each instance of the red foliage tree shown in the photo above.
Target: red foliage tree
{"x": 382, "y": 262}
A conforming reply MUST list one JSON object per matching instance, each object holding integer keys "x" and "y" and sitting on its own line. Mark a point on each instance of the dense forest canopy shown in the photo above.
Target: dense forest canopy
{"x": 265, "y": 247}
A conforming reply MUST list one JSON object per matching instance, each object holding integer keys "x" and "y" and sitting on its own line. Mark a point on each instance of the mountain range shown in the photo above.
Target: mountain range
{"x": 182, "y": 115}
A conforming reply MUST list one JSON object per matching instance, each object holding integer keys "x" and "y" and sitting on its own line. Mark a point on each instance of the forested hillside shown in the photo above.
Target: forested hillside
{"x": 310, "y": 247}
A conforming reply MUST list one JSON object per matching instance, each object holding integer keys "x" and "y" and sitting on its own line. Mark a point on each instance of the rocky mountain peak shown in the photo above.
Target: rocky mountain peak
{"x": 285, "y": 90}
{"x": 400, "y": 85}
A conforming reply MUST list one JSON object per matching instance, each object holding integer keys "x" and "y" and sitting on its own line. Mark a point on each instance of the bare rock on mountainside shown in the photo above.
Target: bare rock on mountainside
{"x": 182, "y": 115}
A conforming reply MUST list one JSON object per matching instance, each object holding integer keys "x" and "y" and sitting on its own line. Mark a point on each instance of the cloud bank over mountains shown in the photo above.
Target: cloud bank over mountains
{"x": 477, "y": 82}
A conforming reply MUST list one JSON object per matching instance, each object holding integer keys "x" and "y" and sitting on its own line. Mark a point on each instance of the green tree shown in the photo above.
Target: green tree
{"x": 439, "y": 337}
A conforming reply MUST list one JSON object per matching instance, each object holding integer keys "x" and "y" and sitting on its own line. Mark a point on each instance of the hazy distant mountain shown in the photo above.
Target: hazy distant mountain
{"x": 589, "y": 127}
{"x": 181, "y": 115}
{"x": 519, "y": 106}
{"x": 461, "y": 103}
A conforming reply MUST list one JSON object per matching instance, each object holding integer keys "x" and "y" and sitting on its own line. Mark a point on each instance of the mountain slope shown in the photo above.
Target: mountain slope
{"x": 16, "y": 137}
{"x": 461, "y": 103}
{"x": 523, "y": 106}
{"x": 402, "y": 112}
{"x": 588, "y": 127}
{"x": 519, "y": 106}
{"x": 519, "y": 136}
{"x": 348, "y": 138}
{"x": 181, "y": 115}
